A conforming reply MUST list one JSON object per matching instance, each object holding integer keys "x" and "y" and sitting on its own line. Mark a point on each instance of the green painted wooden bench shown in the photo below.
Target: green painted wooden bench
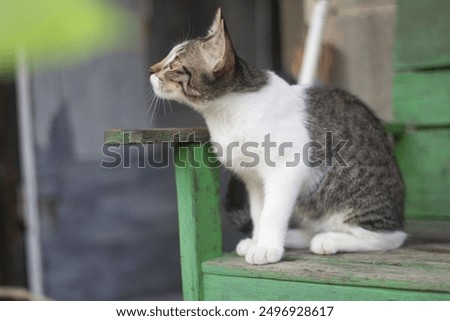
{"x": 418, "y": 271}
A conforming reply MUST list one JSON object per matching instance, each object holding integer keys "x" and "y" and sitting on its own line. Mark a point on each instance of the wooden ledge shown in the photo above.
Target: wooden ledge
{"x": 117, "y": 136}
{"x": 156, "y": 136}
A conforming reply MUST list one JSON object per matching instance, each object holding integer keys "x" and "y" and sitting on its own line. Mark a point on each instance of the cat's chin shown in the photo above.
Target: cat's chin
{"x": 166, "y": 95}
{"x": 175, "y": 97}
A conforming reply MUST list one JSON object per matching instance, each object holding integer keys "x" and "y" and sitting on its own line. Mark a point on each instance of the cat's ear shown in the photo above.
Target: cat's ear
{"x": 216, "y": 22}
{"x": 218, "y": 50}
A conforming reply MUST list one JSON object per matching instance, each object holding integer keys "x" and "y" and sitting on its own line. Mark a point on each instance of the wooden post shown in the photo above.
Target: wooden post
{"x": 12, "y": 266}
{"x": 197, "y": 180}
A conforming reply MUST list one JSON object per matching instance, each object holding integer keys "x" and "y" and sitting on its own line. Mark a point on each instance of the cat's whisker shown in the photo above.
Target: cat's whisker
{"x": 189, "y": 30}
{"x": 151, "y": 95}
{"x": 152, "y": 101}
{"x": 154, "y": 106}
{"x": 150, "y": 89}
{"x": 164, "y": 104}
{"x": 150, "y": 98}
{"x": 159, "y": 107}
{"x": 170, "y": 107}
{"x": 164, "y": 108}
{"x": 183, "y": 35}
{"x": 154, "y": 110}
{"x": 151, "y": 107}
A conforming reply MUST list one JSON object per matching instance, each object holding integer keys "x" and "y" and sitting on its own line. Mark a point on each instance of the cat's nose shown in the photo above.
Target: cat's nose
{"x": 154, "y": 69}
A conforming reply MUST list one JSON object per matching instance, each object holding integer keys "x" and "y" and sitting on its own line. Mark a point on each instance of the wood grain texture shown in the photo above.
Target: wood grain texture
{"x": 422, "y": 34}
{"x": 156, "y": 136}
{"x": 419, "y": 266}
{"x": 198, "y": 214}
{"x": 223, "y": 288}
{"x": 423, "y": 97}
{"x": 424, "y": 160}
{"x": 117, "y": 136}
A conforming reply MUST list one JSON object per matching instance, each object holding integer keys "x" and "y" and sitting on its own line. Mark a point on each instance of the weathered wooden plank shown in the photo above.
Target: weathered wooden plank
{"x": 301, "y": 266}
{"x": 222, "y": 288}
{"x": 116, "y": 136}
{"x": 424, "y": 159}
{"x": 422, "y": 97}
{"x": 419, "y": 266}
{"x": 155, "y": 136}
{"x": 422, "y": 34}
{"x": 198, "y": 213}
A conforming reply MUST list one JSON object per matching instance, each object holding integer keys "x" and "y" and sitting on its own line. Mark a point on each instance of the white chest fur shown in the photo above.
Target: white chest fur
{"x": 242, "y": 125}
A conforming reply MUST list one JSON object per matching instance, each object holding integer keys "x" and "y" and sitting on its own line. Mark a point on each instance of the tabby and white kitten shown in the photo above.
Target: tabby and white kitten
{"x": 330, "y": 208}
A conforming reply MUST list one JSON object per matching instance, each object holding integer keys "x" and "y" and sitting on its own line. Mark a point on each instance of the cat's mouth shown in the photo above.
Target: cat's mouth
{"x": 159, "y": 88}
{"x": 156, "y": 84}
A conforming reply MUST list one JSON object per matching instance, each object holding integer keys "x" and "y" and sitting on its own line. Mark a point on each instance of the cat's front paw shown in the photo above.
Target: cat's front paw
{"x": 243, "y": 246}
{"x": 258, "y": 255}
{"x": 323, "y": 244}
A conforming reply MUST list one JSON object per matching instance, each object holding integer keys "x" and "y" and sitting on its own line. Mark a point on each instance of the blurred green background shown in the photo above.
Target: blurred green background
{"x": 58, "y": 31}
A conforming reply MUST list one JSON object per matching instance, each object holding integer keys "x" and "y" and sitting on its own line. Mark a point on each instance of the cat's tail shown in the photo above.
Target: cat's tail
{"x": 241, "y": 220}
{"x": 237, "y": 207}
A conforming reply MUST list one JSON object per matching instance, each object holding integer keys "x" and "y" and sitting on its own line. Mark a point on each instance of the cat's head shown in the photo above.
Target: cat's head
{"x": 197, "y": 71}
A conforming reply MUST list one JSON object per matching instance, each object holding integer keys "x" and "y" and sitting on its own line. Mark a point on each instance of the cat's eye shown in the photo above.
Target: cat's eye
{"x": 175, "y": 63}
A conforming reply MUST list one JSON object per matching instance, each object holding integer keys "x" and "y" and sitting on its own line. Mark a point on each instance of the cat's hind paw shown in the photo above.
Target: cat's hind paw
{"x": 243, "y": 246}
{"x": 258, "y": 255}
{"x": 323, "y": 243}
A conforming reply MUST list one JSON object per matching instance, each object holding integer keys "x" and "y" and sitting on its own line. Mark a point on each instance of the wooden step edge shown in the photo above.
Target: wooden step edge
{"x": 216, "y": 267}
{"x": 117, "y": 136}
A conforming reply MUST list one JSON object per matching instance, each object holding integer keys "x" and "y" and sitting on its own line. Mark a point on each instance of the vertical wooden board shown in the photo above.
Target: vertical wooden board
{"x": 199, "y": 214}
{"x": 424, "y": 159}
{"x": 12, "y": 265}
{"x": 422, "y": 97}
{"x": 422, "y": 36}
{"x": 223, "y": 288}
